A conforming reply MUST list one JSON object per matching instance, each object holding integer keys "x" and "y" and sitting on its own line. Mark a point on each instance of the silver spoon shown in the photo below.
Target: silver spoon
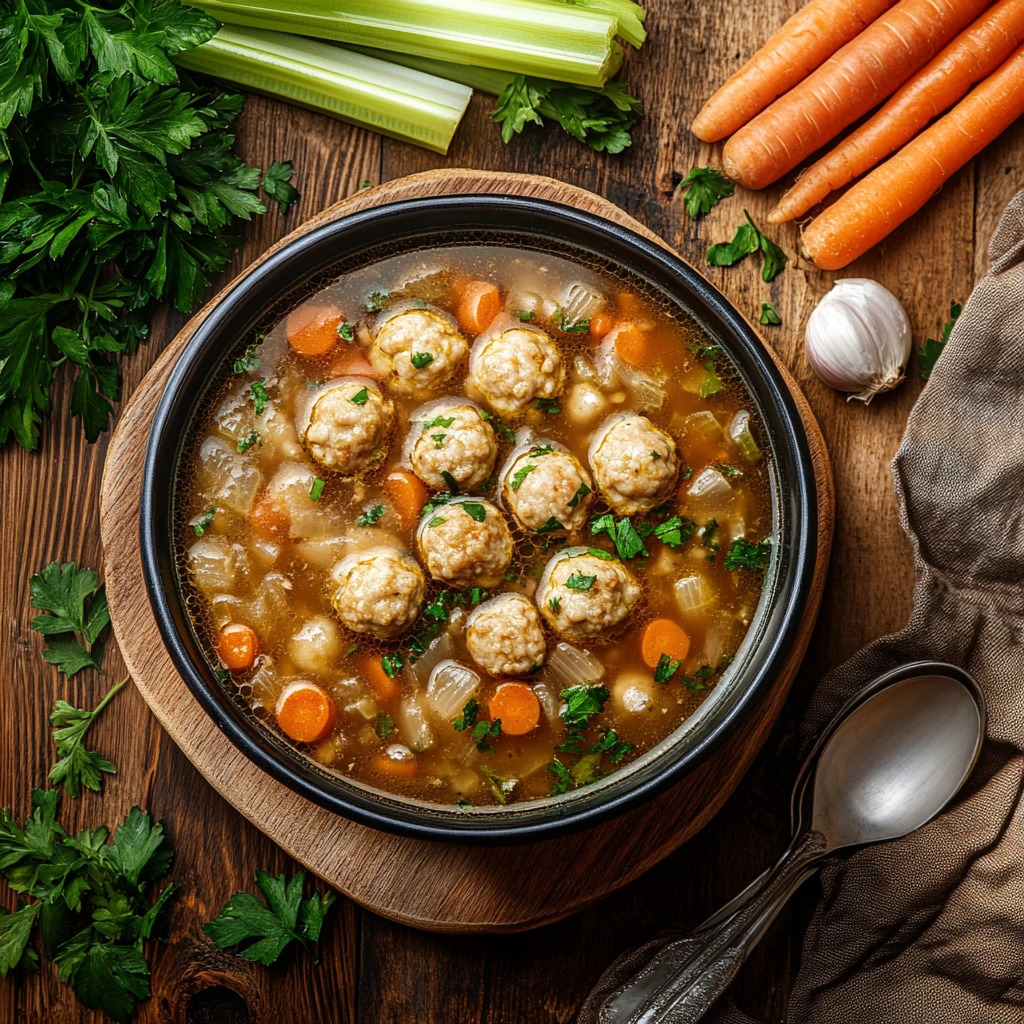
{"x": 890, "y": 761}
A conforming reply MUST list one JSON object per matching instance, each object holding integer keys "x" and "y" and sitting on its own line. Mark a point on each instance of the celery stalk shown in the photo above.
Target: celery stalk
{"x": 400, "y": 102}
{"x": 530, "y": 37}
{"x": 629, "y": 15}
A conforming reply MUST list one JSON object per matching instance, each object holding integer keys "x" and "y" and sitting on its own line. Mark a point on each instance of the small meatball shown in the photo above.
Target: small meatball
{"x": 378, "y": 591}
{"x": 418, "y": 350}
{"x": 544, "y": 483}
{"x": 582, "y": 595}
{"x": 348, "y": 425}
{"x": 511, "y": 370}
{"x": 586, "y": 404}
{"x": 455, "y": 439}
{"x": 504, "y": 636}
{"x": 466, "y": 543}
{"x": 634, "y": 463}
{"x": 316, "y": 645}
{"x": 633, "y": 692}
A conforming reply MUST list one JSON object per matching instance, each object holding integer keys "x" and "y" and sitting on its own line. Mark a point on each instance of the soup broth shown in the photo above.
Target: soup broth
{"x": 371, "y": 568}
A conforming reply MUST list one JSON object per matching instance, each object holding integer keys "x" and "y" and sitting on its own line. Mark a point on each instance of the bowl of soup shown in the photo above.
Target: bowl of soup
{"x": 477, "y": 518}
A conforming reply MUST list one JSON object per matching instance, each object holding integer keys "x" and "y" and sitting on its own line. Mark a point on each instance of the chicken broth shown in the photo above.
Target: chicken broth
{"x": 475, "y": 524}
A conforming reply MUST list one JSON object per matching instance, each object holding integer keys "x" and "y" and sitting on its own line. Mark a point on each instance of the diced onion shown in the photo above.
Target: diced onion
{"x": 710, "y": 490}
{"x": 450, "y": 686}
{"x": 571, "y": 666}
{"x": 701, "y": 426}
{"x": 581, "y": 302}
{"x": 742, "y": 436}
{"x": 413, "y": 725}
{"x": 646, "y": 391}
{"x": 690, "y": 594}
{"x": 421, "y": 669}
{"x": 549, "y": 700}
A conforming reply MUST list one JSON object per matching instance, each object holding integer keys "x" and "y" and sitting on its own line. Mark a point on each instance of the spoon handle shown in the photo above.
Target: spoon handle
{"x": 683, "y": 981}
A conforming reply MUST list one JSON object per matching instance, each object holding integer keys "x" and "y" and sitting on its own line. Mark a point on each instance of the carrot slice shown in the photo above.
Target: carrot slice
{"x": 844, "y": 88}
{"x": 600, "y": 324}
{"x": 267, "y": 518}
{"x": 479, "y": 305}
{"x": 237, "y": 646}
{"x": 305, "y": 712}
{"x": 518, "y": 708}
{"x": 401, "y": 768}
{"x": 629, "y": 304}
{"x": 803, "y": 44}
{"x": 380, "y": 682}
{"x": 970, "y": 58}
{"x": 663, "y": 636}
{"x": 631, "y": 343}
{"x": 890, "y": 194}
{"x": 312, "y": 329}
{"x": 352, "y": 361}
{"x": 408, "y": 494}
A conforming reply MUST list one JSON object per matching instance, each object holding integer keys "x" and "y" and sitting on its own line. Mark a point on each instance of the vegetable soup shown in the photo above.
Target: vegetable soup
{"x": 474, "y": 524}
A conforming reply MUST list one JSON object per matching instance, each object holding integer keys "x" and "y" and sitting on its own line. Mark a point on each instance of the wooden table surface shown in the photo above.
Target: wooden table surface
{"x": 373, "y": 970}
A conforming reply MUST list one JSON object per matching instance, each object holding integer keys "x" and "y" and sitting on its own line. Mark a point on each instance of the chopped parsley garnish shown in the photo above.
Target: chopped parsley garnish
{"x": 435, "y": 501}
{"x": 371, "y": 516}
{"x": 704, "y": 351}
{"x": 930, "y": 351}
{"x": 726, "y": 470}
{"x": 346, "y": 331}
{"x": 470, "y": 713}
{"x": 655, "y": 455}
{"x": 610, "y": 744}
{"x": 489, "y": 483}
{"x": 550, "y": 526}
{"x": 568, "y": 326}
{"x": 503, "y": 430}
{"x": 317, "y": 489}
{"x": 439, "y": 421}
{"x": 744, "y": 555}
{"x": 501, "y": 786}
{"x": 699, "y": 680}
{"x": 627, "y": 540}
{"x": 484, "y": 731}
{"x": 438, "y": 440}
{"x": 579, "y": 581}
{"x": 474, "y": 510}
{"x": 247, "y": 442}
{"x": 437, "y": 521}
{"x": 666, "y": 669}
{"x": 313, "y": 384}
{"x": 687, "y": 472}
{"x": 384, "y": 725}
{"x": 555, "y": 604}
{"x": 769, "y": 315}
{"x": 520, "y": 475}
{"x": 392, "y": 664}
{"x": 675, "y": 532}
{"x": 581, "y": 702}
{"x": 450, "y": 482}
{"x": 360, "y": 397}
{"x": 705, "y": 188}
{"x": 601, "y": 553}
{"x": 549, "y": 406}
{"x": 259, "y": 396}
{"x": 375, "y": 301}
{"x": 202, "y": 523}
{"x": 581, "y": 492}
{"x": 78, "y": 767}
{"x": 563, "y": 780}
{"x": 421, "y": 359}
{"x": 540, "y": 449}
{"x": 709, "y": 535}
{"x": 749, "y": 238}
{"x": 248, "y": 361}
{"x": 525, "y": 315}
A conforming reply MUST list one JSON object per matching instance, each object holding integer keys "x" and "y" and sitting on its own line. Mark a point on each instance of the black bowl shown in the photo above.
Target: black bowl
{"x": 305, "y": 265}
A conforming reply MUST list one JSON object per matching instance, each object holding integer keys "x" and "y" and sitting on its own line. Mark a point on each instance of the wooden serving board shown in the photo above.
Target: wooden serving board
{"x": 434, "y": 886}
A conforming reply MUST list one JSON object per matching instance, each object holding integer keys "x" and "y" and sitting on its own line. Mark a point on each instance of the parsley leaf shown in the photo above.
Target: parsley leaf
{"x": 376, "y": 301}
{"x": 421, "y": 359}
{"x": 550, "y": 526}
{"x": 563, "y": 780}
{"x": 474, "y": 510}
{"x": 248, "y": 361}
{"x": 581, "y": 492}
{"x": 520, "y": 475}
{"x": 262, "y": 929}
{"x": 439, "y": 421}
{"x": 259, "y": 396}
{"x": 769, "y": 316}
{"x": 675, "y": 532}
{"x": 555, "y": 604}
{"x": 277, "y": 185}
{"x": 705, "y": 189}
{"x": 346, "y": 331}
{"x": 247, "y": 442}
{"x": 77, "y": 766}
{"x": 371, "y": 516}
{"x": 549, "y": 406}
{"x": 525, "y": 316}
{"x": 15, "y": 934}
{"x": 579, "y": 581}
{"x": 744, "y": 555}
{"x": 317, "y": 490}
{"x": 392, "y": 664}
{"x": 384, "y": 725}
{"x": 450, "y": 482}
{"x": 501, "y": 428}
{"x": 470, "y": 713}
{"x": 485, "y": 731}
{"x": 501, "y": 786}
{"x": 360, "y": 397}
{"x": 203, "y": 522}
{"x": 667, "y": 667}
{"x": 602, "y": 118}
{"x": 773, "y": 260}
{"x": 627, "y": 540}
{"x": 930, "y": 351}
{"x": 75, "y": 606}
{"x": 725, "y": 254}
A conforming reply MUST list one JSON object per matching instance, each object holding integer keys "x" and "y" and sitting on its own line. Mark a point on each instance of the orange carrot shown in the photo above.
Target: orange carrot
{"x": 383, "y": 686}
{"x": 631, "y": 344}
{"x": 305, "y": 712}
{"x": 267, "y": 518}
{"x": 663, "y": 636}
{"x": 312, "y": 329}
{"x": 407, "y": 493}
{"x": 629, "y": 304}
{"x": 890, "y": 194}
{"x": 402, "y": 768}
{"x": 971, "y": 57}
{"x": 844, "y": 88}
{"x": 808, "y": 39}
{"x": 600, "y": 324}
{"x": 237, "y": 646}
{"x": 479, "y": 305}
{"x": 518, "y": 708}
{"x": 351, "y": 361}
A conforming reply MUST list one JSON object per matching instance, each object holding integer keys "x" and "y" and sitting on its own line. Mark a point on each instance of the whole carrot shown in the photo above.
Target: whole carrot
{"x": 972, "y": 56}
{"x": 809, "y": 38}
{"x": 845, "y": 88}
{"x": 890, "y": 194}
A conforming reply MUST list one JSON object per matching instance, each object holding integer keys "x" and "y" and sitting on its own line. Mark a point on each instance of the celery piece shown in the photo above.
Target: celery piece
{"x": 543, "y": 38}
{"x": 629, "y": 15}
{"x": 400, "y": 102}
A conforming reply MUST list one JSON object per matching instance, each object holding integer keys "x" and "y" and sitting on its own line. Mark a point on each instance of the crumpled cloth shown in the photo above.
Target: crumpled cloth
{"x": 929, "y": 929}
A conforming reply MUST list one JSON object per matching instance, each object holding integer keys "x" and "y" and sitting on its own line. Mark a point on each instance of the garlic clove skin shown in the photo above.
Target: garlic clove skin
{"x": 859, "y": 338}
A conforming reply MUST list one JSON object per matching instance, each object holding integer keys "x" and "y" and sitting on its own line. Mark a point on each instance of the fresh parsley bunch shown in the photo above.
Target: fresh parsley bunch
{"x": 117, "y": 190}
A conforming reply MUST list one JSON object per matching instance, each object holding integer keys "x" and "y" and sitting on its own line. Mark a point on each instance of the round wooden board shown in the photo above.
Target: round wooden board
{"x": 434, "y": 886}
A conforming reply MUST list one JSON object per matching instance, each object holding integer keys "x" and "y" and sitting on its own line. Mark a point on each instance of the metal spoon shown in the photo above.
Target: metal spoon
{"x": 889, "y": 762}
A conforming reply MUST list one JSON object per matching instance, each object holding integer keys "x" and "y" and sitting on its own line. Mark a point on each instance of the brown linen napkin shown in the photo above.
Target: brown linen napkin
{"x": 930, "y": 929}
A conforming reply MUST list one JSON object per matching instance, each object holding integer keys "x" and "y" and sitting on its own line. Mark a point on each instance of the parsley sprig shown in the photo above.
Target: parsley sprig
{"x": 705, "y": 188}
{"x": 75, "y": 613}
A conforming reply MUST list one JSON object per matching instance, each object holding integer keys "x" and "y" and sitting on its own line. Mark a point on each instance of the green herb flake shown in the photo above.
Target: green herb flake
{"x": 259, "y": 396}
{"x": 361, "y": 397}
{"x": 568, "y": 326}
{"x": 675, "y": 532}
{"x": 550, "y": 526}
{"x": 580, "y": 582}
{"x": 249, "y": 441}
{"x": 745, "y": 555}
{"x": 317, "y": 489}
{"x": 548, "y": 406}
{"x": 450, "y": 482}
{"x": 371, "y": 516}
{"x": 687, "y": 472}
{"x": 501, "y": 786}
{"x": 438, "y": 440}
{"x": 437, "y": 521}
{"x": 769, "y": 316}
{"x": 563, "y": 780}
{"x": 555, "y": 604}
{"x": 520, "y": 475}
{"x": 248, "y": 361}
{"x": 469, "y": 716}
{"x": 376, "y": 301}
{"x": 705, "y": 188}
{"x": 666, "y": 669}
{"x": 78, "y": 768}
{"x": 203, "y": 522}
{"x": 484, "y": 731}
{"x": 439, "y": 421}
{"x": 277, "y": 185}
{"x": 501, "y": 428}
{"x": 605, "y": 556}
{"x": 525, "y": 315}
{"x": 581, "y": 492}
{"x": 655, "y": 455}
{"x": 384, "y": 725}
{"x": 392, "y": 664}
{"x": 709, "y": 536}
{"x": 473, "y": 509}
{"x": 346, "y": 331}
{"x": 420, "y": 360}
{"x": 75, "y": 613}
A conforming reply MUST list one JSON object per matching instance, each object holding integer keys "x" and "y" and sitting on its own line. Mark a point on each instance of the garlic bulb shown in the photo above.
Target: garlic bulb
{"x": 858, "y": 338}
